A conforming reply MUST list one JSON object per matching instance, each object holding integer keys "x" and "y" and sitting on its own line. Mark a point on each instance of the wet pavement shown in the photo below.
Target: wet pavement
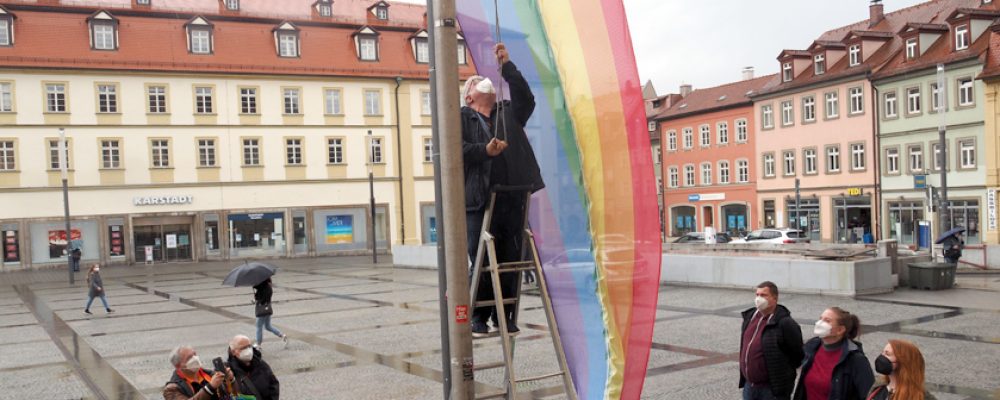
{"x": 364, "y": 331}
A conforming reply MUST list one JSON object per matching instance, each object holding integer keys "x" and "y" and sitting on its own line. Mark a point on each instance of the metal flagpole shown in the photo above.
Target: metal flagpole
{"x": 64, "y": 171}
{"x": 371, "y": 195}
{"x": 944, "y": 214}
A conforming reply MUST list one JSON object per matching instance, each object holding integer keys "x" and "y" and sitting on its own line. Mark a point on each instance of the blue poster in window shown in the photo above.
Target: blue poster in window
{"x": 731, "y": 221}
{"x": 339, "y": 229}
{"x": 433, "y": 229}
{"x": 741, "y": 221}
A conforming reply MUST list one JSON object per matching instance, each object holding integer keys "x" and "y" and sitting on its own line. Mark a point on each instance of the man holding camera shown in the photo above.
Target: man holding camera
{"x": 251, "y": 372}
{"x": 192, "y": 382}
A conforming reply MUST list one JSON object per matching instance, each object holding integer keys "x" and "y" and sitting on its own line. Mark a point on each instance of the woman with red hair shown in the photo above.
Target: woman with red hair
{"x": 902, "y": 368}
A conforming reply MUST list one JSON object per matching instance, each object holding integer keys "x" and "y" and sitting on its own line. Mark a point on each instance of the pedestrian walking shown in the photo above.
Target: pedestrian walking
{"x": 96, "y": 289}
{"x": 75, "y": 256}
{"x": 770, "y": 347}
{"x": 901, "y": 367}
{"x": 835, "y": 366}
{"x": 252, "y": 374}
{"x": 262, "y": 309}
{"x": 952, "y": 248}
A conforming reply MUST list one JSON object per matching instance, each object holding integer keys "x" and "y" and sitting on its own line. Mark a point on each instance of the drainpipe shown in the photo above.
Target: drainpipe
{"x": 877, "y": 168}
{"x": 399, "y": 166}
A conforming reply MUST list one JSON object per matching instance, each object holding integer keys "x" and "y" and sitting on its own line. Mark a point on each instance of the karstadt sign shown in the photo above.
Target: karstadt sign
{"x": 161, "y": 200}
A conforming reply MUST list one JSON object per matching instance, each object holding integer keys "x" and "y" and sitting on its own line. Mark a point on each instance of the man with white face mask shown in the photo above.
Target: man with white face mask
{"x": 252, "y": 374}
{"x": 770, "y": 347}
{"x": 190, "y": 381}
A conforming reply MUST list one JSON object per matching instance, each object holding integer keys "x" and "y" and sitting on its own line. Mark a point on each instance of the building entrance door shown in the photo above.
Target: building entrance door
{"x": 709, "y": 214}
{"x": 170, "y": 239}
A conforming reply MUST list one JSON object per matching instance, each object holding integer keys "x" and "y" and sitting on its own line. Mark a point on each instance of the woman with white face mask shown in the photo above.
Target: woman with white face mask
{"x": 835, "y": 366}
{"x": 96, "y": 286}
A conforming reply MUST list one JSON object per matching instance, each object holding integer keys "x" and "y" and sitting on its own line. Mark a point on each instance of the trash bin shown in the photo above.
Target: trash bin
{"x": 932, "y": 275}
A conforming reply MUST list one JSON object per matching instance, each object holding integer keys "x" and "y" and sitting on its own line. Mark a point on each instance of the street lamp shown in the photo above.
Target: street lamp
{"x": 944, "y": 215}
{"x": 64, "y": 172}
{"x": 371, "y": 195}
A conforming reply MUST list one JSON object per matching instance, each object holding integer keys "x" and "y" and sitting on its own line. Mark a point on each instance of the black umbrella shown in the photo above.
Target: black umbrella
{"x": 953, "y": 231}
{"x": 249, "y": 274}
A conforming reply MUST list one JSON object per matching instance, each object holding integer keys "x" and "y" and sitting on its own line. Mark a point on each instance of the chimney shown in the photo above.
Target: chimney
{"x": 747, "y": 73}
{"x": 876, "y": 13}
{"x": 685, "y": 89}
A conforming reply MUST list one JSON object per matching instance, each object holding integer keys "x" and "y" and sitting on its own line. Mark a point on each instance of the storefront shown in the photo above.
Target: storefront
{"x": 163, "y": 239}
{"x": 10, "y": 236}
{"x": 770, "y": 214}
{"x": 734, "y": 219}
{"x": 903, "y": 221}
{"x": 684, "y": 222}
{"x": 49, "y": 242}
{"x": 259, "y": 234}
{"x": 853, "y": 218}
{"x": 347, "y": 229}
{"x": 965, "y": 213}
{"x": 808, "y": 216}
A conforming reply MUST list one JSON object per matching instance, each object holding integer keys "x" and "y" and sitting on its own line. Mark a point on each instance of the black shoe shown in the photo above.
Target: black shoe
{"x": 87, "y": 311}
{"x": 512, "y": 329}
{"x": 479, "y": 330}
{"x": 109, "y": 310}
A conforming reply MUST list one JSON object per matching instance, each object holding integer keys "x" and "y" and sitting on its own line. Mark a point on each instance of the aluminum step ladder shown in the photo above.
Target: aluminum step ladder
{"x": 486, "y": 251}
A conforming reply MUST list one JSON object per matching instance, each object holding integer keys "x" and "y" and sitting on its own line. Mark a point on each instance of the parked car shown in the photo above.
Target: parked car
{"x": 785, "y": 236}
{"x": 699, "y": 237}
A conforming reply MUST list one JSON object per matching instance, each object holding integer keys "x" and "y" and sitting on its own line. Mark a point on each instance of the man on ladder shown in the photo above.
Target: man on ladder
{"x": 496, "y": 152}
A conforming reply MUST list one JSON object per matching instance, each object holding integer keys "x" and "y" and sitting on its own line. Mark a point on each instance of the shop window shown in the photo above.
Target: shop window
{"x": 853, "y": 219}
{"x": 212, "y": 245}
{"x": 300, "y": 242}
{"x": 769, "y": 214}
{"x": 904, "y": 221}
{"x": 805, "y": 216}
{"x": 11, "y": 243}
{"x": 734, "y": 218}
{"x": 116, "y": 238}
{"x": 965, "y": 213}
{"x": 683, "y": 220}
{"x": 428, "y": 218}
{"x": 257, "y": 234}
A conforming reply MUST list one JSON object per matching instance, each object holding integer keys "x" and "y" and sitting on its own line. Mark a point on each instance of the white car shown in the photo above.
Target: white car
{"x": 781, "y": 236}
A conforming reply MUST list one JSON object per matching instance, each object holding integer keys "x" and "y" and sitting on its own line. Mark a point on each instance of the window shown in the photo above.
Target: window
{"x": 967, "y": 153}
{"x": 723, "y": 131}
{"x": 688, "y": 138}
{"x": 203, "y": 100}
{"x": 369, "y": 48}
{"x": 689, "y": 175}
{"x": 672, "y": 140}
{"x": 810, "y": 161}
{"x": 706, "y": 174}
{"x": 428, "y": 150}
{"x": 103, "y": 35}
{"x": 331, "y": 102}
{"x": 742, "y": 171}
{"x": 325, "y": 10}
{"x": 891, "y": 107}
{"x": 741, "y": 131}
{"x": 858, "y": 156}
{"x": 809, "y": 109}
{"x": 5, "y": 31}
{"x": 376, "y": 149}
{"x": 425, "y": 102}
{"x": 892, "y": 160}
{"x": 422, "y": 52}
{"x": 157, "y": 96}
{"x": 965, "y": 92}
{"x": 857, "y": 100}
{"x": 672, "y": 177}
{"x": 291, "y": 100}
{"x": 832, "y": 159}
{"x": 335, "y": 150}
{"x": 724, "y": 172}
{"x": 659, "y": 185}
{"x": 54, "y": 154}
{"x": 373, "y": 102}
{"x": 161, "y": 153}
{"x": 201, "y": 41}
{"x": 706, "y": 135}
{"x": 6, "y": 96}
{"x": 916, "y": 158}
{"x": 911, "y": 48}
{"x": 657, "y": 155}
{"x": 107, "y": 98}
{"x": 936, "y": 160}
{"x": 769, "y": 165}
{"x": 55, "y": 97}
{"x": 206, "y": 152}
{"x": 111, "y": 154}
{"x": 288, "y": 44}
{"x": 786, "y": 72}
{"x": 461, "y": 53}
{"x": 7, "y": 156}
{"x": 936, "y": 98}
{"x": 854, "y": 54}
{"x": 832, "y": 105}
{"x": 767, "y": 117}
{"x": 787, "y": 114}
{"x": 913, "y": 100}
{"x": 248, "y": 100}
{"x": 382, "y": 12}
{"x": 251, "y": 151}
{"x": 293, "y": 151}
{"x": 789, "y": 157}
{"x": 961, "y": 37}
{"x": 233, "y": 5}
{"x": 819, "y": 64}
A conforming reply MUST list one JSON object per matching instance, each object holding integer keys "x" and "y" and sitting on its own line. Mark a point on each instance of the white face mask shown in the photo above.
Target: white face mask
{"x": 246, "y": 354}
{"x": 193, "y": 363}
{"x": 822, "y": 329}
{"x": 97, "y": 269}
{"x": 760, "y": 302}
{"x": 485, "y": 86}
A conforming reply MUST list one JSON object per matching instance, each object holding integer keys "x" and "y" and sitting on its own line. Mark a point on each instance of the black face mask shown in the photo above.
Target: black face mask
{"x": 883, "y": 365}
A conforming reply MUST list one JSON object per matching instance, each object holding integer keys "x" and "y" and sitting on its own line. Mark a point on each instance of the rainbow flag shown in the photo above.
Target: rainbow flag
{"x": 597, "y": 222}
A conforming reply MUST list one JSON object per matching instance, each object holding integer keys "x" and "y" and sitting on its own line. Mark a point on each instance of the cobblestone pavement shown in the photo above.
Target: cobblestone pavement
{"x": 363, "y": 331}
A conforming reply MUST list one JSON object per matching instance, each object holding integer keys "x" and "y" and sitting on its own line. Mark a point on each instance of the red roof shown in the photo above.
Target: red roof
{"x": 711, "y": 99}
{"x": 991, "y": 69}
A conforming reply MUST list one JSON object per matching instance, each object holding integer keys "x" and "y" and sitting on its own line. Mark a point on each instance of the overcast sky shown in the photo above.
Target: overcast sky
{"x": 708, "y": 42}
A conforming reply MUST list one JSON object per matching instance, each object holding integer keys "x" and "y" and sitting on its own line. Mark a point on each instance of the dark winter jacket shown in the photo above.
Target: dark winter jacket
{"x": 521, "y": 165}
{"x": 879, "y": 392}
{"x": 782, "y": 340}
{"x": 95, "y": 282}
{"x": 178, "y": 389}
{"x": 257, "y": 373}
{"x": 262, "y": 293}
{"x": 852, "y": 377}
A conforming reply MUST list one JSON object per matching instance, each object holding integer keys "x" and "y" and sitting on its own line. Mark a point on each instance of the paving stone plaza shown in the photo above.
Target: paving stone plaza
{"x": 363, "y": 331}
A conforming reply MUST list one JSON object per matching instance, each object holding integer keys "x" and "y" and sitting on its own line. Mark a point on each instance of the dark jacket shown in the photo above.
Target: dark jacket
{"x": 522, "y": 167}
{"x": 262, "y": 293}
{"x": 178, "y": 389}
{"x": 258, "y": 373}
{"x": 879, "y": 391}
{"x": 852, "y": 377}
{"x": 782, "y": 340}
{"x": 95, "y": 282}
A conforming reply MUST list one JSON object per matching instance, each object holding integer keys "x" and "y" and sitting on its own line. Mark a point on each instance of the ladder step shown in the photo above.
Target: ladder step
{"x": 487, "y": 303}
{"x": 492, "y": 365}
{"x": 540, "y": 377}
{"x": 491, "y": 395}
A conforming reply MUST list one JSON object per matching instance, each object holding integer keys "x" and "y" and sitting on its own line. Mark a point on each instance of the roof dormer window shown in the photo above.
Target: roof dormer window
{"x": 200, "y": 37}
{"x": 786, "y": 72}
{"x": 286, "y": 40}
{"x": 324, "y": 8}
{"x": 366, "y": 44}
{"x": 854, "y": 55}
{"x": 961, "y": 37}
{"x": 232, "y": 5}
{"x": 422, "y": 50}
{"x": 911, "y": 49}
{"x": 103, "y": 31}
{"x": 6, "y": 28}
{"x": 142, "y": 2}
{"x": 819, "y": 64}
{"x": 380, "y": 10}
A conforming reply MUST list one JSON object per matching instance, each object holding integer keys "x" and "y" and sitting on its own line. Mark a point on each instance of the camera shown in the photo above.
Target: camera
{"x": 219, "y": 365}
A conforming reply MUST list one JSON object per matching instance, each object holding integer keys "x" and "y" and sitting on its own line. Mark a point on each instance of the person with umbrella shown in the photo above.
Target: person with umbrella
{"x": 952, "y": 244}
{"x": 258, "y": 275}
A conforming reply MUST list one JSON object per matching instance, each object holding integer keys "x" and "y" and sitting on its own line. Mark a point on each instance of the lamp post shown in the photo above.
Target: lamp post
{"x": 64, "y": 172}
{"x": 371, "y": 195}
{"x": 944, "y": 214}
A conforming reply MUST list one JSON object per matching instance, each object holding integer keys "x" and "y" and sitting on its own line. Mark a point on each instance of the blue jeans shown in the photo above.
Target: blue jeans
{"x": 104, "y": 299}
{"x": 759, "y": 392}
{"x": 265, "y": 322}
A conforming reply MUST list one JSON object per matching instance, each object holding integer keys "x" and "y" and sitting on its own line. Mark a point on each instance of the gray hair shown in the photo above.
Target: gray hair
{"x": 469, "y": 84}
{"x": 175, "y": 354}
{"x": 236, "y": 340}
